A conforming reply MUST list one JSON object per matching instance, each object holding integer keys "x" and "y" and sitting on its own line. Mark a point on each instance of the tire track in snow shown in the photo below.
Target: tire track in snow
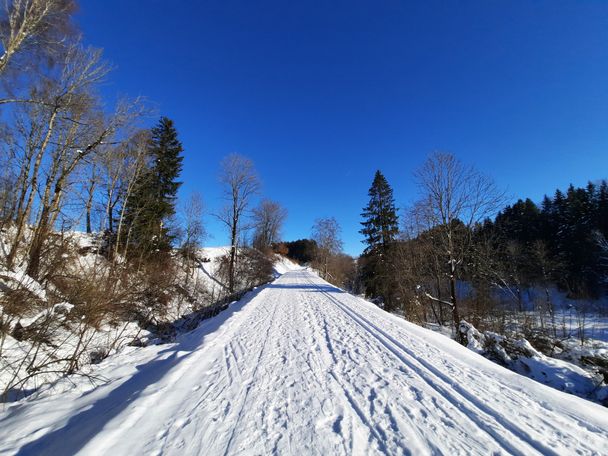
{"x": 219, "y": 378}
{"x": 310, "y": 356}
{"x": 401, "y": 384}
{"x": 416, "y": 442}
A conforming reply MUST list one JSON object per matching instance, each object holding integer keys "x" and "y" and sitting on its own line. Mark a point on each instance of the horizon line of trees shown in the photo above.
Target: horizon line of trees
{"x": 461, "y": 252}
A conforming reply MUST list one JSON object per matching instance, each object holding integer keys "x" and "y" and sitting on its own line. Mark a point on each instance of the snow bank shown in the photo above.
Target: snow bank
{"x": 519, "y": 356}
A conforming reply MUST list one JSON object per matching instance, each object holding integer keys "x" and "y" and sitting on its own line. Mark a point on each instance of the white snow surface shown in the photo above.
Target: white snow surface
{"x": 301, "y": 367}
{"x": 283, "y": 264}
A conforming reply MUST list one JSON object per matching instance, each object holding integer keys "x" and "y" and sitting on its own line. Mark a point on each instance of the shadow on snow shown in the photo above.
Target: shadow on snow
{"x": 309, "y": 288}
{"x": 84, "y": 425}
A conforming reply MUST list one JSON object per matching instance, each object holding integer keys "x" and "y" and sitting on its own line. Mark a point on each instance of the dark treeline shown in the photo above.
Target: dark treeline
{"x": 301, "y": 251}
{"x": 561, "y": 240}
{"x": 323, "y": 251}
{"x": 461, "y": 253}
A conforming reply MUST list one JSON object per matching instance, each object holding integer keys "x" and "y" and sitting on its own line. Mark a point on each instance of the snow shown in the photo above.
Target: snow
{"x": 299, "y": 366}
{"x": 24, "y": 281}
{"x": 519, "y": 356}
{"x": 283, "y": 264}
{"x": 25, "y": 366}
{"x": 207, "y": 271}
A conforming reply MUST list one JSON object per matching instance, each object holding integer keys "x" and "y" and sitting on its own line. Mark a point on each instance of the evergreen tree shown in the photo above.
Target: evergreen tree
{"x": 303, "y": 251}
{"x": 152, "y": 204}
{"x": 380, "y": 225}
{"x": 602, "y": 209}
{"x": 577, "y": 248}
{"x": 520, "y": 222}
{"x": 517, "y": 228}
{"x": 380, "y": 228}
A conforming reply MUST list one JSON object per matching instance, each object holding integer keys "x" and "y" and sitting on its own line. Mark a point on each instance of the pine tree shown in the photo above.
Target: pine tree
{"x": 602, "y": 209}
{"x": 380, "y": 228}
{"x": 152, "y": 204}
{"x": 380, "y": 225}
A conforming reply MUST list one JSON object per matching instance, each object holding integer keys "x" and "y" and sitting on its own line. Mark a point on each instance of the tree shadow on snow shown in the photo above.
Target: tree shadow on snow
{"x": 86, "y": 424}
{"x": 308, "y": 288}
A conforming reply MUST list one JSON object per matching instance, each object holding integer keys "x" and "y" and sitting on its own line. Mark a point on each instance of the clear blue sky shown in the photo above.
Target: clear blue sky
{"x": 320, "y": 94}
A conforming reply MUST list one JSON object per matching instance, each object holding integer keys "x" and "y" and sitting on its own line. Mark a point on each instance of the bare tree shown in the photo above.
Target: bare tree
{"x": 121, "y": 166}
{"x": 33, "y": 30}
{"x": 104, "y": 176}
{"x": 194, "y": 230}
{"x": 268, "y": 219}
{"x": 33, "y": 25}
{"x": 240, "y": 184}
{"x": 8, "y": 177}
{"x": 58, "y": 138}
{"x": 455, "y": 197}
{"x": 326, "y": 232}
{"x": 50, "y": 130}
{"x": 419, "y": 268}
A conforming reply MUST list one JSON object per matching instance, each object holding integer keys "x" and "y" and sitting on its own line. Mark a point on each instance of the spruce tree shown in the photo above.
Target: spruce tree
{"x": 602, "y": 209}
{"x": 152, "y": 204}
{"x": 380, "y": 224}
{"x": 380, "y": 228}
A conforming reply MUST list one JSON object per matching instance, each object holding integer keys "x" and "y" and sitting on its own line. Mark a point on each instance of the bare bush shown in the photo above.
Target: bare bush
{"x": 253, "y": 269}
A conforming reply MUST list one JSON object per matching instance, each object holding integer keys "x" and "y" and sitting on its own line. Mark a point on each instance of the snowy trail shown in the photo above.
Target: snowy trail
{"x": 304, "y": 368}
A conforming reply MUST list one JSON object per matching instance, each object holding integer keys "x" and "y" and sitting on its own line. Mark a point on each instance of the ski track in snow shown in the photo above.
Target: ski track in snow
{"x": 305, "y": 368}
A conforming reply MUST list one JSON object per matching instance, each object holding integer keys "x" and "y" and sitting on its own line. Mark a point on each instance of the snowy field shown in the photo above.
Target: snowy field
{"x": 300, "y": 367}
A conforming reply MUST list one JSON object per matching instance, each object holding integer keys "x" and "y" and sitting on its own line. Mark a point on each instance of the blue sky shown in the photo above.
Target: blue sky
{"x": 320, "y": 94}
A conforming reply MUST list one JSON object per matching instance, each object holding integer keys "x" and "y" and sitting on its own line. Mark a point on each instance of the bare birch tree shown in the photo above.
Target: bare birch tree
{"x": 120, "y": 167}
{"x": 32, "y": 32}
{"x": 58, "y": 137}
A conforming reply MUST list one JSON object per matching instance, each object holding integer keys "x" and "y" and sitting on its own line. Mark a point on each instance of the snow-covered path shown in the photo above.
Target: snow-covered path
{"x": 304, "y": 368}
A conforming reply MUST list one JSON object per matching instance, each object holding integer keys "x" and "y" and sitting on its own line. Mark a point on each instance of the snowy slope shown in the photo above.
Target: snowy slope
{"x": 300, "y": 367}
{"x": 283, "y": 264}
{"x": 207, "y": 272}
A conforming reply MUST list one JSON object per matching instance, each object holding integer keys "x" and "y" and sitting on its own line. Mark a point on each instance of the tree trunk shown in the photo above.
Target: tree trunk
{"x": 88, "y": 220}
{"x": 33, "y": 266}
{"x": 231, "y": 267}
{"x": 454, "y": 300}
{"x": 89, "y": 206}
{"x": 440, "y": 321}
{"x": 25, "y": 207}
